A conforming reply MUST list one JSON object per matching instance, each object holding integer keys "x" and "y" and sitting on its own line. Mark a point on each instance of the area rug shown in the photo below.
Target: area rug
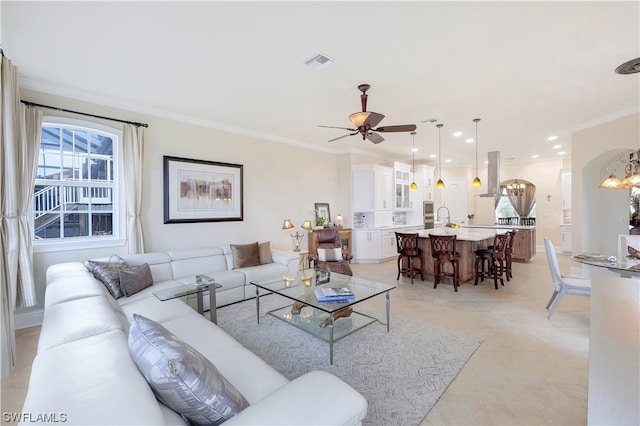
{"x": 401, "y": 374}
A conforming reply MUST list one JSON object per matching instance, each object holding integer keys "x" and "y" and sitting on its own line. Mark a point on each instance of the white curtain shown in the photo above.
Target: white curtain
{"x": 132, "y": 159}
{"x": 19, "y": 145}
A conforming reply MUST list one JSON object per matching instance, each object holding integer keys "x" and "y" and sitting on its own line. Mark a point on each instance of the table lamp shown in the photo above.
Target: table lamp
{"x": 297, "y": 237}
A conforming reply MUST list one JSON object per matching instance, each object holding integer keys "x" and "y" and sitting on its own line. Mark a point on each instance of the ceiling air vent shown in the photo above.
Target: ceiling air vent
{"x": 319, "y": 61}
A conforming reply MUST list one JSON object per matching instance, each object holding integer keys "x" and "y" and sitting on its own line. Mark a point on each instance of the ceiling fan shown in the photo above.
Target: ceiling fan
{"x": 365, "y": 122}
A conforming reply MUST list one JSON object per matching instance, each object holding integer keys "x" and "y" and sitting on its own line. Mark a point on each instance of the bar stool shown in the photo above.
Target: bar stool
{"x": 407, "y": 245}
{"x": 490, "y": 263}
{"x": 443, "y": 249}
{"x": 508, "y": 251}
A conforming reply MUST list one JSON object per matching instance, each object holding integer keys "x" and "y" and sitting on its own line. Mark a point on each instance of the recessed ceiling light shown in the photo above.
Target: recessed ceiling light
{"x": 447, "y": 160}
{"x": 561, "y": 153}
{"x": 414, "y": 149}
{"x": 552, "y": 138}
{"x": 457, "y": 134}
{"x": 557, "y": 146}
{"x": 433, "y": 156}
{"x": 469, "y": 140}
{"x": 486, "y": 161}
{"x": 535, "y": 156}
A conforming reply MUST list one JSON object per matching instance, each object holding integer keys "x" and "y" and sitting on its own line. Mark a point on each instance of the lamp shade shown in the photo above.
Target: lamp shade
{"x": 358, "y": 118}
{"x": 476, "y": 182}
{"x": 306, "y": 225}
{"x": 631, "y": 181}
{"x": 287, "y": 225}
{"x": 440, "y": 184}
{"x": 612, "y": 182}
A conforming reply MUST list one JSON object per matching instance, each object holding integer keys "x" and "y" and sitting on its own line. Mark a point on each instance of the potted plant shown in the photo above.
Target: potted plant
{"x": 320, "y": 222}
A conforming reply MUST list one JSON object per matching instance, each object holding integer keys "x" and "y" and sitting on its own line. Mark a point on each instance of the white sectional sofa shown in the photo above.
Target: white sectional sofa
{"x": 83, "y": 372}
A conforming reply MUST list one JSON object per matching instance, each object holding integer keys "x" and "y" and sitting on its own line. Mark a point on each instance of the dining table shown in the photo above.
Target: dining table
{"x": 468, "y": 240}
{"x": 627, "y": 267}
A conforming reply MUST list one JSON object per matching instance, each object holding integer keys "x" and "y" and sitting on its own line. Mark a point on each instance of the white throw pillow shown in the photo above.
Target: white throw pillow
{"x": 330, "y": 255}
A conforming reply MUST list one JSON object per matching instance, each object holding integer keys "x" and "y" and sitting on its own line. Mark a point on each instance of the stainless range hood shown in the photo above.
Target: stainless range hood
{"x": 493, "y": 175}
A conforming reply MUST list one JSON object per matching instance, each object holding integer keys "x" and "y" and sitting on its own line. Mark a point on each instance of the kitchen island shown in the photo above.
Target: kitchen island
{"x": 467, "y": 242}
{"x": 524, "y": 246}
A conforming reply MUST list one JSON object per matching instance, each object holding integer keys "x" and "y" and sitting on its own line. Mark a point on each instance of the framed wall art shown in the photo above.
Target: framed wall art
{"x": 322, "y": 211}
{"x": 201, "y": 191}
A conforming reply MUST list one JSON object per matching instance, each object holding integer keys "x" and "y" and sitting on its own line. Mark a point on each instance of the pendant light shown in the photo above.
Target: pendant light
{"x": 414, "y": 185}
{"x": 440, "y": 183}
{"x": 476, "y": 181}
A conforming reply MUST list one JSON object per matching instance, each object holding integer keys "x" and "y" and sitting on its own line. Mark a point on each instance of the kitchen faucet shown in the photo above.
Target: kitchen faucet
{"x": 448, "y": 214}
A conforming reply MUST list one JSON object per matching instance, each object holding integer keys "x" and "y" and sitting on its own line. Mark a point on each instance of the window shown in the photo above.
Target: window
{"x": 76, "y": 193}
{"x": 505, "y": 208}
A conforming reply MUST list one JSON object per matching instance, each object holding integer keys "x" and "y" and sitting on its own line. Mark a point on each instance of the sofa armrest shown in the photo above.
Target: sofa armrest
{"x": 317, "y": 398}
{"x": 288, "y": 258}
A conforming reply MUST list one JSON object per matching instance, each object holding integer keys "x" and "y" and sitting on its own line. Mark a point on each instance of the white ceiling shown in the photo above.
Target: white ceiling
{"x": 527, "y": 69}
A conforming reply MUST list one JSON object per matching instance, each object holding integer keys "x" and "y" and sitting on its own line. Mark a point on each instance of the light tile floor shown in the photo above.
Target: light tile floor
{"x": 529, "y": 370}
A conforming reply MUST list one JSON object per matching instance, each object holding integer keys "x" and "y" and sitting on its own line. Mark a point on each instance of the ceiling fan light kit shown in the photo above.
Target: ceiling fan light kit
{"x": 366, "y": 121}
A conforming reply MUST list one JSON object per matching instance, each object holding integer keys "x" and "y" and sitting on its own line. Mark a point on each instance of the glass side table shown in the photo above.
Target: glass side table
{"x": 202, "y": 285}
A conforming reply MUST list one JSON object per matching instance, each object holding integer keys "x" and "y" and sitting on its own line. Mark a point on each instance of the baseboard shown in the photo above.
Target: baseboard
{"x": 28, "y": 319}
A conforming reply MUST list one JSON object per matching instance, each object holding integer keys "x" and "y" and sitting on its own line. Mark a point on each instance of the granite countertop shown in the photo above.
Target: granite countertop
{"x": 464, "y": 234}
{"x": 508, "y": 227}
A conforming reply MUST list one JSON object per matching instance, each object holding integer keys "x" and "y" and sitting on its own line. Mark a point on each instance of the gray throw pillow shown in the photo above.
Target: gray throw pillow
{"x": 180, "y": 376}
{"x": 135, "y": 279}
{"x": 264, "y": 251}
{"x": 245, "y": 255}
{"x": 109, "y": 274}
{"x": 330, "y": 255}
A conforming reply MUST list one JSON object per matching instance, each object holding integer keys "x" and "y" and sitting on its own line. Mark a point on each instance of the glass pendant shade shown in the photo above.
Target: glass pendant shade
{"x": 414, "y": 186}
{"x": 476, "y": 182}
{"x": 440, "y": 184}
{"x": 612, "y": 182}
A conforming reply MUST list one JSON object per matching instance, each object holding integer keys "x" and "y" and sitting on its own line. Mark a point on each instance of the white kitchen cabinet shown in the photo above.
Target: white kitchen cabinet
{"x": 383, "y": 188}
{"x": 565, "y": 188}
{"x": 402, "y": 184}
{"x": 372, "y": 188}
{"x": 389, "y": 246}
{"x": 565, "y": 242}
{"x": 366, "y": 245}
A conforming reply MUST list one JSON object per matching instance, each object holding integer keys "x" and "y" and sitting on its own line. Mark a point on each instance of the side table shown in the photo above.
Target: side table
{"x": 197, "y": 288}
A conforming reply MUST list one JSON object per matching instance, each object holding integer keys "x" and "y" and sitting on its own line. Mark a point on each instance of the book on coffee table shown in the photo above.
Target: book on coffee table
{"x": 334, "y": 295}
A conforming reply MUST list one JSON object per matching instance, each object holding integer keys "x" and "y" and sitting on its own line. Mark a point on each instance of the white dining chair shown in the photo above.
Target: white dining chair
{"x": 563, "y": 285}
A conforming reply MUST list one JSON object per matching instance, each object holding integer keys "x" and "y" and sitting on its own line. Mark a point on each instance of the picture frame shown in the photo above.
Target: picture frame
{"x": 202, "y": 191}
{"x": 322, "y": 210}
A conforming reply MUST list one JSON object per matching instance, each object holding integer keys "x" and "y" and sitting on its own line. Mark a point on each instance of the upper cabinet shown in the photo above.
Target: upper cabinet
{"x": 565, "y": 188}
{"x": 372, "y": 188}
{"x": 402, "y": 185}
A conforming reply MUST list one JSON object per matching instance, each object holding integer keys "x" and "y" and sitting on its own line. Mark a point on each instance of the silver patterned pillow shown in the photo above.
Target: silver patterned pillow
{"x": 180, "y": 376}
{"x": 109, "y": 274}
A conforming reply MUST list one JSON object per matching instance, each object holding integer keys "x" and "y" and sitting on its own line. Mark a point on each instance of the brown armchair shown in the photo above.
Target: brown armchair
{"x": 329, "y": 239}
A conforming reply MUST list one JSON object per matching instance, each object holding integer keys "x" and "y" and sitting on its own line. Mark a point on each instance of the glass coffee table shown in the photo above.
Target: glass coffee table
{"x": 198, "y": 288}
{"x": 300, "y": 290}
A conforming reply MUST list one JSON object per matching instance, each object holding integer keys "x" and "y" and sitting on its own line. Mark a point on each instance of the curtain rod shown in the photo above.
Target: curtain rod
{"x": 33, "y": 104}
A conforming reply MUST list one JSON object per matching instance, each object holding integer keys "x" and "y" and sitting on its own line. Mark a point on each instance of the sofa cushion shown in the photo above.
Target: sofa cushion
{"x": 135, "y": 279}
{"x": 245, "y": 255}
{"x": 264, "y": 252}
{"x": 109, "y": 274}
{"x": 159, "y": 263}
{"x": 180, "y": 376}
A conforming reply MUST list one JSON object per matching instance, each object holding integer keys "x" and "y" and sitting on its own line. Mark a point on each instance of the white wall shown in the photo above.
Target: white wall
{"x": 599, "y": 215}
{"x": 280, "y": 181}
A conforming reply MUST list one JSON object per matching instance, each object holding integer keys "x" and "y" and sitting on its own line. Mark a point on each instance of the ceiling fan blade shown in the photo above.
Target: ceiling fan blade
{"x": 374, "y": 137}
{"x": 343, "y": 136}
{"x": 343, "y": 128}
{"x": 401, "y": 128}
{"x": 373, "y": 119}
